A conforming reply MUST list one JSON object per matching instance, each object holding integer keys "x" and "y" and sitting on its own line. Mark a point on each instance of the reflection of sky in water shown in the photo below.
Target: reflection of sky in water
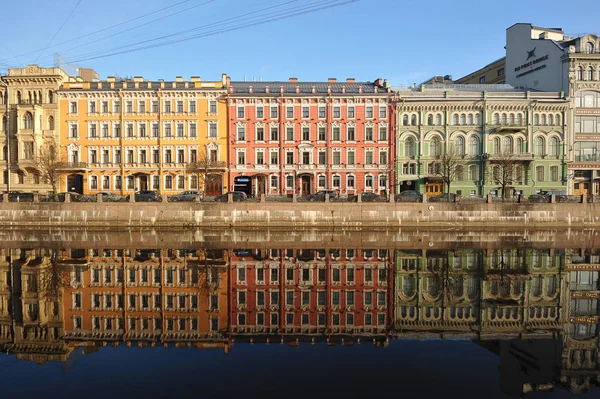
{"x": 430, "y": 369}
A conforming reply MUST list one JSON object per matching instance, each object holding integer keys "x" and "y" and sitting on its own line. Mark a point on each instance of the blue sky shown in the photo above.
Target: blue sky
{"x": 403, "y": 41}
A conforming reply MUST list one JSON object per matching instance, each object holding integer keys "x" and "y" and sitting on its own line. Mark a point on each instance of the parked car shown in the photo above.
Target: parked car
{"x": 544, "y": 196}
{"x": 320, "y": 195}
{"x": 20, "y": 196}
{"x": 366, "y": 197}
{"x": 110, "y": 196}
{"x": 147, "y": 196}
{"x": 237, "y": 196}
{"x": 446, "y": 197}
{"x": 189, "y": 195}
{"x": 408, "y": 196}
{"x": 60, "y": 197}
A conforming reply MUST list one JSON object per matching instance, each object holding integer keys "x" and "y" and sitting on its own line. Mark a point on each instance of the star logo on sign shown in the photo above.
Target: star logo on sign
{"x": 530, "y": 54}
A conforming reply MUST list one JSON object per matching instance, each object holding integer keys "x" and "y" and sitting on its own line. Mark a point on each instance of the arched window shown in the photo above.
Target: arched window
{"x": 519, "y": 120}
{"x": 554, "y": 173}
{"x": 473, "y": 172}
{"x": 496, "y": 119}
{"x": 463, "y": 119}
{"x": 459, "y": 146}
{"x": 181, "y": 182}
{"x": 543, "y": 120}
{"x": 511, "y": 119}
{"x": 519, "y": 175}
{"x": 470, "y": 119}
{"x": 27, "y": 121}
{"x": 589, "y": 47}
{"x": 455, "y": 119}
{"x": 369, "y": 182}
{"x": 557, "y": 120}
{"x": 405, "y": 120}
{"x": 50, "y": 96}
{"x": 430, "y": 120}
{"x": 4, "y": 123}
{"x": 590, "y": 73}
{"x": 496, "y": 145}
{"x": 50, "y": 123}
{"x": 503, "y": 119}
{"x": 536, "y": 120}
{"x": 94, "y": 182}
{"x": 194, "y": 182}
{"x": 580, "y": 73}
{"x": 507, "y": 145}
{"x": 4, "y": 153}
{"x": 476, "y": 119}
{"x": 435, "y": 147}
{"x": 409, "y": 147}
{"x": 551, "y": 120}
{"x": 438, "y": 120}
{"x": 473, "y": 145}
{"x": 459, "y": 173}
{"x": 519, "y": 148}
{"x": 413, "y": 120}
{"x": 19, "y": 97}
{"x": 554, "y": 147}
{"x": 539, "y": 146}
{"x": 539, "y": 173}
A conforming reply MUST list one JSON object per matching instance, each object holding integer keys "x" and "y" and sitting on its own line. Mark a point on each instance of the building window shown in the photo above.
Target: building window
{"x": 274, "y": 112}
{"x": 459, "y": 146}
{"x": 306, "y": 134}
{"x": 368, "y": 133}
{"x": 274, "y": 182}
{"x": 350, "y": 182}
{"x": 501, "y": 72}
{"x": 289, "y": 112}
{"x": 322, "y": 133}
{"x": 382, "y": 112}
{"x": 554, "y": 173}
{"x": 383, "y": 133}
{"x": 241, "y": 133}
{"x": 305, "y": 112}
{"x": 212, "y": 107}
{"x": 539, "y": 146}
{"x": 351, "y": 134}
{"x": 240, "y": 112}
{"x": 409, "y": 147}
{"x": 539, "y": 173}
{"x": 554, "y": 147}
{"x": 350, "y": 158}
{"x": 350, "y": 112}
{"x": 335, "y": 133}
{"x": 482, "y": 80}
{"x": 289, "y": 182}
{"x": 94, "y": 182}
{"x": 169, "y": 182}
{"x": 192, "y": 106}
{"x": 321, "y": 112}
{"x": 322, "y": 181}
{"x": 337, "y": 112}
{"x": 180, "y": 132}
{"x": 337, "y": 157}
{"x": 473, "y": 172}
{"x": 274, "y": 133}
{"x": 336, "y": 181}
{"x": 369, "y": 182}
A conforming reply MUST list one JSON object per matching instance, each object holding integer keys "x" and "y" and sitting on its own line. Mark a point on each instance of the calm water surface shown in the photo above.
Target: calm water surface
{"x": 222, "y": 320}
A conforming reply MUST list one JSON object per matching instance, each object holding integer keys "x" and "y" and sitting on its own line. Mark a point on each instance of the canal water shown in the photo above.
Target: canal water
{"x": 118, "y": 318}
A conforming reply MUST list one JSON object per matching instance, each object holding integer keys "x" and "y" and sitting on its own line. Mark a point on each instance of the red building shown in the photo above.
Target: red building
{"x": 307, "y": 292}
{"x": 301, "y": 137}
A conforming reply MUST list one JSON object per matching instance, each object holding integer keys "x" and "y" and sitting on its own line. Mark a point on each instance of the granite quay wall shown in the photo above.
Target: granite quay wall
{"x": 298, "y": 215}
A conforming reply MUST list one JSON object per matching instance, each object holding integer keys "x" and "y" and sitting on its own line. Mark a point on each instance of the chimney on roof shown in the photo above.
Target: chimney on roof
{"x": 314, "y": 89}
{"x": 360, "y": 90}
{"x": 178, "y": 79}
{"x": 350, "y": 80}
{"x": 378, "y": 82}
{"x": 297, "y": 89}
{"x": 138, "y": 79}
{"x": 332, "y": 80}
{"x": 195, "y": 78}
{"x": 267, "y": 89}
{"x": 281, "y": 89}
{"x": 293, "y": 80}
{"x": 343, "y": 89}
{"x": 250, "y": 89}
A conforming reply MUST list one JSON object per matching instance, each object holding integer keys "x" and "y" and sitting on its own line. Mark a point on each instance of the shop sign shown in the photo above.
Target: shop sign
{"x": 583, "y": 266}
{"x": 585, "y": 295}
{"x": 583, "y": 319}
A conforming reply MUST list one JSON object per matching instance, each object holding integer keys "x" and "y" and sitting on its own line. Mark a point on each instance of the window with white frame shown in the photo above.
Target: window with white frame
{"x": 351, "y": 133}
{"x": 382, "y": 181}
{"x": 335, "y": 133}
{"x": 274, "y": 183}
{"x": 105, "y": 182}
{"x": 105, "y": 130}
{"x": 154, "y": 106}
{"x": 383, "y": 158}
{"x": 322, "y": 157}
{"x": 142, "y": 107}
{"x": 241, "y": 112}
{"x": 212, "y": 130}
{"x": 260, "y": 113}
{"x": 337, "y": 112}
{"x": 169, "y": 182}
{"x": 129, "y": 107}
{"x": 368, "y": 111}
{"x": 274, "y": 112}
{"x": 336, "y": 181}
{"x": 322, "y": 112}
{"x": 337, "y": 157}
{"x": 192, "y": 106}
{"x": 289, "y": 112}
{"x": 180, "y": 131}
{"x": 350, "y": 112}
{"x": 274, "y": 157}
{"x": 129, "y": 181}
{"x": 94, "y": 182}
{"x": 368, "y": 133}
{"x": 350, "y": 182}
{"x": 368, "y": 156}
{"x": 350, "y": 157}
{"x": 322, "y": 181}
{"x": 212, "y": 107}
{"x": 241, "y": 157}
{"x": 289, "y": 182}
{"x": 241, "y": 133}
{"x": 369, "y": 182}
{"x": 383, "y": 133}
{"x": 305, "y": 112}
{"x": 260, "y": 157}
{"x": 118, "y": 182}
{"x": 382, "y": 112}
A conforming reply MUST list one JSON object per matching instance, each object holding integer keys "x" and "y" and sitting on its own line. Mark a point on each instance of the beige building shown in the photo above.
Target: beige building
{"x": 29, "y": 109}
{"x": 492, "y": 73}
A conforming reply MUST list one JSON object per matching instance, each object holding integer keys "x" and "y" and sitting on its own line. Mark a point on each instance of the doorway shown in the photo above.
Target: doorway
{"x": 305, "y": 186}
{"x": 433, "y": 189}
{"x": 75, "y": 184}
{"x": 581, "y": 188}
{"x": 213, "y": 185}
{"x": 243, "y": 183}
{"x": 408, "y": 185}
{"x": 142, "y": 182}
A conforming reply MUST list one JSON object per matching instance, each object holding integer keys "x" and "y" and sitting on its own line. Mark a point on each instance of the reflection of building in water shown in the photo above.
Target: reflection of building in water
{"x": 580, "y": 366}
{"x": 310, "y": 294}
{"x": 31, "y": 317}
{"x": 148, "y": 296}
{"x": 479, "y": 294}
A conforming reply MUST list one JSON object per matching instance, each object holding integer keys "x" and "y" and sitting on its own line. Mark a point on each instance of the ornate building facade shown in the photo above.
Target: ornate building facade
{"x": 301, "y": 137}
{"x": 482, "y": 131}
{"x": 30, "y": 115}
{"x": 127, "y": 135}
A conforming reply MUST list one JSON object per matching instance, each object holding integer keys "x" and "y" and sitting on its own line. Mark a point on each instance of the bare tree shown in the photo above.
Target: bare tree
{"x": 505, "y": 171}
{"x": 445, "y": 167}
{"x": 205, "y": 168}
{"x": 49, "y": 164}
{"x": 53, "y": 277}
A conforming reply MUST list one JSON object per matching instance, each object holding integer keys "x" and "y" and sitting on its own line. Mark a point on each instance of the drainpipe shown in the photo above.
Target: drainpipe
{"x": 7, "y": 132}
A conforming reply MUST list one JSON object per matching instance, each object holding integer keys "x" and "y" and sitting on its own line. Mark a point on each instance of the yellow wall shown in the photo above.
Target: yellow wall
{"x": 138, "y": 91}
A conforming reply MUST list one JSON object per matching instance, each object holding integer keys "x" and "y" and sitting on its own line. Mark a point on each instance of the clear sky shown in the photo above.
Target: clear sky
{"x": 404, "y": 41}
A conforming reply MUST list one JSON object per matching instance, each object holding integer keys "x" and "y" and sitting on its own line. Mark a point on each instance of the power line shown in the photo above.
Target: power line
{"x": 285, "y": 14}
{"x": 61, "y": 26}
{"x": 107, "y": 28}
{"x": 137, "y": 26}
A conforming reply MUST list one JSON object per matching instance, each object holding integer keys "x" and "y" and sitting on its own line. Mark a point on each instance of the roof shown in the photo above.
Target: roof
{"x": 306, "y": 87}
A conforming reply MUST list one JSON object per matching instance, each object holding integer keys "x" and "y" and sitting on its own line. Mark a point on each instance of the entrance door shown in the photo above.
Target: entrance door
{"x": 143, "y": 182}
{"x": 260, "y": 185}
{"x": 581, "y": 188}
{"x": 433, "y": 189}
{"x": 213, "y": 185}
{"x": 306, "y": 186}
{"x": 75, "y": 184}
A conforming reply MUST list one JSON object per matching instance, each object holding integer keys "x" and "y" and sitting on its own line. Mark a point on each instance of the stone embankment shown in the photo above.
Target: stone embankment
{"x": 304, "y": 215}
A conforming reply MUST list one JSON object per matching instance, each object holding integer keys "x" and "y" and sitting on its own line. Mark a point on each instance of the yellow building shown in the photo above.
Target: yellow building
{"x": 123, "y": 135}
{"x": 493, "y": 73}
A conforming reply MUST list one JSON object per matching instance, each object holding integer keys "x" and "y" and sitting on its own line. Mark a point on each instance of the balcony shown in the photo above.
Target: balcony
{"x": 510, "y": 128}
{"x": 73, "y": 166}
{"x": 207, "y": 165}
{"x": 511, "y": 157}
